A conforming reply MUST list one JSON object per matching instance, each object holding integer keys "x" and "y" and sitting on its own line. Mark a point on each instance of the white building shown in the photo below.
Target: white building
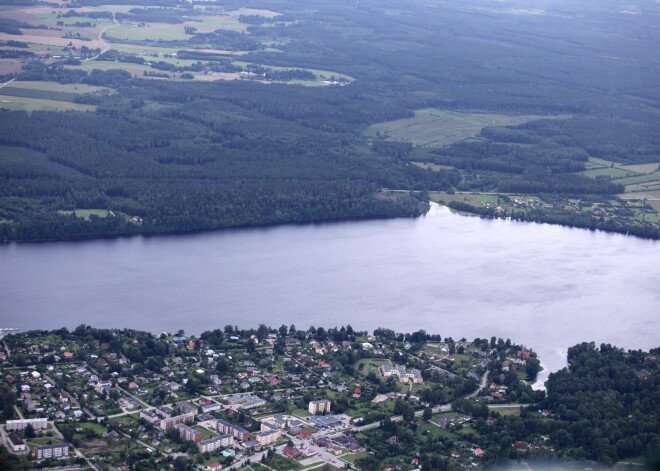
{"x": 37, "y": 424}
{"x": 322, "y": 406}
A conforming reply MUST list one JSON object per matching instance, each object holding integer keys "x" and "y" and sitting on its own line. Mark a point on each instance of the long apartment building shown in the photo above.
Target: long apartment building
{"x": 51, "y": 451}
{"x": 189, "y": 433}
{"x": 37, "y": 424}
{"x": 214, "y": 443}
{"x": 234, "y": 430}
{"x": 171, "y": 422}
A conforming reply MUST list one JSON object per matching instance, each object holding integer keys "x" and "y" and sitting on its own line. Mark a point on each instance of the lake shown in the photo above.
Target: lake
{"x": 544, "y": 286}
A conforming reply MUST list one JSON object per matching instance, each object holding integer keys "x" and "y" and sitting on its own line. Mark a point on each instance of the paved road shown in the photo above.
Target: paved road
{"x": 71, "y": 398}
{"x": 397, "y": 418}
{"x": 484, "y": 378}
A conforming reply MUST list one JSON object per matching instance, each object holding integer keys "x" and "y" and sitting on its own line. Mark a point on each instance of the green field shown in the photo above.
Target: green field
{"x": 471, "y": 198}
{"x": 613, "y": 172}
{"x": 220, "y": 22}
{"x": 36, "y": 93}
{"x": 639, "y": 179}
{"x": 35, "y": 104}
{"x": 434, "y": 127}
{"x": 44, "y": 441}
{"x": 102, "y": 65}
{"x": 507, "y": 411}
{"x": 117, "y": 8}
{"x": 642, "y": 168}
{"x": 433, "y": 430}
{"x": 154, "y": 32}
{"x": 282, "y": 463}
{"x": 354, "y": 456}
{"x": 144, "y": 50}
{"x": 206, "y": 433}
{"x": 86, "y": 213}
{"x": 98, "y": 428}
{"x": 59, "y": 87}
{"x": 623, "y": 174}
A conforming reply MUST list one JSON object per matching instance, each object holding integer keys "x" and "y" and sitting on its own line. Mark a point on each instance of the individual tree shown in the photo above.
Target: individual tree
{"x": 180, "y": 463}
{"x": 29, "y": 431}
{"x": 428, "y": 413}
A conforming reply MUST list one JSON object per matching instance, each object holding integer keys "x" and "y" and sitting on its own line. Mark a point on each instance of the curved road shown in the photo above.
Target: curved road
{"x": 107, "y": 46}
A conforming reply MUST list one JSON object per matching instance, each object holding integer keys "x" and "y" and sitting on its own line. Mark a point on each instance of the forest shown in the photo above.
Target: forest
{"x": 162, "y": 155}
{"x": 602, "y": 408}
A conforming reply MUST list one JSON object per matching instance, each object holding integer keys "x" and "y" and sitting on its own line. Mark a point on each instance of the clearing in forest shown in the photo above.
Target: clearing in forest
{"x": 636, "y": 178}
{"x": 432, "y": 127}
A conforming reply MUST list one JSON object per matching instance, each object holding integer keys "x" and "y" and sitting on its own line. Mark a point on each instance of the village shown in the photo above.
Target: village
{"x": 253, "y": 400}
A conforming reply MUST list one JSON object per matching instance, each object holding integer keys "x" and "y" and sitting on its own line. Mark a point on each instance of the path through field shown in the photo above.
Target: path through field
{"x": 101, "y": 33}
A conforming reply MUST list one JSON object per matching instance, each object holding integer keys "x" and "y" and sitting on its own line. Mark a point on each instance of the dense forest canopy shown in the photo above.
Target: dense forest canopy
{"x": 180, "y": 155}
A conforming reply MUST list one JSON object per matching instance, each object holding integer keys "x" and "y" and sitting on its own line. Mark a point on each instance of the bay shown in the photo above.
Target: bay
{"x": 547, "y": 287}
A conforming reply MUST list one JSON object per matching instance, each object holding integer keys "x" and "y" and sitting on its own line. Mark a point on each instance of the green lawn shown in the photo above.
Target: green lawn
{"x": 282, "y": 463}
{"x": 432, "y": 429}
{"x": 301, "y": 412}
{"x": 98, "y": 428}
{"x": 507, "y": 411}
{"x": 206, "y": 433}
{"x": 44, "y": 441}
{"x": 354, "y": 456}
{"x": 322, "y": 466}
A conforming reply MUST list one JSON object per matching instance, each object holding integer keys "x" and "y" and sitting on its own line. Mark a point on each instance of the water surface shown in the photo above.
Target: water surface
{"x": 544, "y": 286}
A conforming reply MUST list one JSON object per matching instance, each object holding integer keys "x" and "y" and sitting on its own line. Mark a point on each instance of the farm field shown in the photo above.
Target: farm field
{"x": 474, "y": 199}
{"x": 612, "y": 172}
{"x": 152, "y": 32}
{"x": 58, "y": 87}
{"x": 432, "y": 127}
{"x": 32, "y": 104}
{"x": 135, "y": 69}
{"x": 50, "y": 40}
{"x": 636, "y": 178}
{"x": 58, "y": 37}
{"x": 86, "y": 213}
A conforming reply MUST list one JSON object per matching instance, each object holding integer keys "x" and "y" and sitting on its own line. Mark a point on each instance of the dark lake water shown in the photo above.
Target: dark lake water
{"x": 547, "y": 287}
